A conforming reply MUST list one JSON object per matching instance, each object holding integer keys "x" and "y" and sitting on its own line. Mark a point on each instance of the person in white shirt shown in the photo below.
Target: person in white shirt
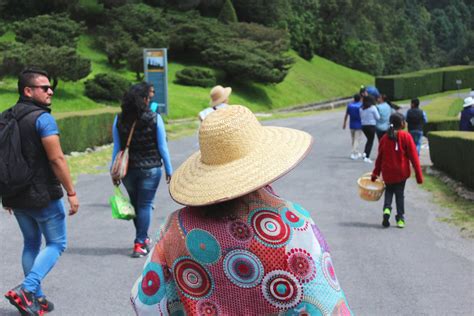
{"x": 219, "y": 98}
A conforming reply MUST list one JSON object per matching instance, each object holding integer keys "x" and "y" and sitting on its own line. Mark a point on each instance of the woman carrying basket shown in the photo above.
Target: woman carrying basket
{"x": 396, "y": 151}
{"x": 148, "y": 152}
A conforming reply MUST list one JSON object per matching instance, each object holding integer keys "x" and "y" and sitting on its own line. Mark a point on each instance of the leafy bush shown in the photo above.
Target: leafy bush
{"x": 80, "y": 132}
{"x": 61, "y": 63}
{"x": 195, "y": 76}
{"x": 227, "y": 14}
{"x": 453, "y": 153}
{"x": 415, "y": 84}
{"x": 106, "y": 86}
{"x": 54, "y": 30}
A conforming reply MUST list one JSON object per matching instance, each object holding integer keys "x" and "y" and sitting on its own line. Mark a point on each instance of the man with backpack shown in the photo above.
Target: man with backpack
{"x": 34, "y": 195}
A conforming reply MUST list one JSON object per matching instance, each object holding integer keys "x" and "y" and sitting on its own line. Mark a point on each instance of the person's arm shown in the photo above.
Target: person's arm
{"x": 425, "y": 117}
{"x": 163, "y": 147}
{"x": 156, "y": 262}
{"x": 376, "y": 113}
{"x": 52, "y": 147}
{"x": 345, "y": 121}
{"x": 414, "y": 159}
{"x": 116, "y": 138}
{"x": 378, "y": 161}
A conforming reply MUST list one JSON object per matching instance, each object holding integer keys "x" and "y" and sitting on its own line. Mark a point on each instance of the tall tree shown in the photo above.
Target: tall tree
{"x": 227, "y": 14}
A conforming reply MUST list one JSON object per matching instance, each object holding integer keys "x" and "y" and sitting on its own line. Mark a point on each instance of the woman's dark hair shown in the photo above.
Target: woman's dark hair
{"x": 133, "y": 102}
{"x": 367, "y": 102}
{"x": 386, "y": 99}
{"x": 356, "y": 97}
{"x": 226, "y": 210}
{"x": 396, "y": 123}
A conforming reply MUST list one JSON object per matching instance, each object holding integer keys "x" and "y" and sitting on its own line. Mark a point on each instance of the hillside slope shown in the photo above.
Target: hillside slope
{"x": 307, "y": 81}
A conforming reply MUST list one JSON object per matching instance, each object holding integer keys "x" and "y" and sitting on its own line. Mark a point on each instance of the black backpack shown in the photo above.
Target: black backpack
{"x": 15, "y": 173}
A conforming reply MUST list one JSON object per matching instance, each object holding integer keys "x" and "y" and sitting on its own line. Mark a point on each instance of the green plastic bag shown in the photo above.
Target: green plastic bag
{"x": 121, "y": 206}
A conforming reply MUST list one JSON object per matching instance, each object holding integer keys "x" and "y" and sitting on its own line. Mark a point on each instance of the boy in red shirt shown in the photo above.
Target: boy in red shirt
{"x": 396, "y": 151}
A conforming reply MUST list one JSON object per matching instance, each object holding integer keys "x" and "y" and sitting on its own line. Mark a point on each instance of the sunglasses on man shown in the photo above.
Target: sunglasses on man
{"x": 45, "y": 88}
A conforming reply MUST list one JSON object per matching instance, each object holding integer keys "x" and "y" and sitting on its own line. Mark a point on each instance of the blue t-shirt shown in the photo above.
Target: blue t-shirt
{"x": 46, "y": 125}
{"x": 353, "y": 112}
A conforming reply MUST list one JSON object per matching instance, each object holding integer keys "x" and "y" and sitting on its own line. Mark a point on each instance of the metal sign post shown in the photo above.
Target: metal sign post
{"x": 155, "y": 65}
{"x": 459, "y": 83}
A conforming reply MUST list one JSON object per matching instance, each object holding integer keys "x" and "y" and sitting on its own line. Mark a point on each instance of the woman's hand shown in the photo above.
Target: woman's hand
{"x": 116, "y": 182}
{"x": 9, "y": 210}
{"x": 168, "y": 179}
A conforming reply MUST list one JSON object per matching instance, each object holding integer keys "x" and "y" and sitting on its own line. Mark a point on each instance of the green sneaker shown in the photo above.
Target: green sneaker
{"x": 401, "y": 223}
{"x": 386, "y": 217}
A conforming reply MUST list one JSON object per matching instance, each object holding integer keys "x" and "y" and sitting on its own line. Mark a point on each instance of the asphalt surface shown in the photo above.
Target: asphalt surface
{"x": 424, "y": 269}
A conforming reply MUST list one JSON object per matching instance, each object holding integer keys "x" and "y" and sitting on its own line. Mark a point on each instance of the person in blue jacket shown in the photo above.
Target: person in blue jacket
{"x": 148, "y": 152}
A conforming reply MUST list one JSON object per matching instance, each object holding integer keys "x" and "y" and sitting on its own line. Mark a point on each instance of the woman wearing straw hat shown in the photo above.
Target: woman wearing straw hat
{"x": 219, "y": 99}
{"x": 237, "y": 248}
{"x": 466, "y": 119}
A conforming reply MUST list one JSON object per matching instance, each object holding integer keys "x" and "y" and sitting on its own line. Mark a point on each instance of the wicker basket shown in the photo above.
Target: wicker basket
{"x": 368, "y": 190}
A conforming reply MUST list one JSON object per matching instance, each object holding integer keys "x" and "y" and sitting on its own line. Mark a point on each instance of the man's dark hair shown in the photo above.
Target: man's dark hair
{"x": 27, "y": 76}
{"x": 415, "y": 102}
{"x": 356, "y": 97}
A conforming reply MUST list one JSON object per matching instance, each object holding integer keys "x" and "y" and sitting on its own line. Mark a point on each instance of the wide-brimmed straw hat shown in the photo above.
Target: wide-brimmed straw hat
{"x": 468, "y": 102}
{"x": 237, "y": 156}
{"x": 219, "y": 94}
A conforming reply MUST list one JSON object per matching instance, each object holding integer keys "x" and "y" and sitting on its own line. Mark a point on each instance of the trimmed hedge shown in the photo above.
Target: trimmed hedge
{"x": 195, "y": 76}
{"x": 445, "y": 124}
{"x": 465, "y": 74}
{"x": 453, "y": 153}
{"x": 424, "y": 82}
{"x": 80, "y": 132}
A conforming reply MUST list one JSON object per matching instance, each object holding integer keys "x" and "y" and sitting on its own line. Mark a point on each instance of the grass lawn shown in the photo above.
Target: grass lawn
{"x": 462, "y": 210}
{"x": 442, "y": 107}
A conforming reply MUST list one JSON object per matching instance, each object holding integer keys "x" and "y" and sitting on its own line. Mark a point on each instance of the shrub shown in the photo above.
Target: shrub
{"x": 414, "y": 84}
{"x": 453, "y": 153}
{"x": 195, "y": 76}
{"x": 227, "y": 14}
{"x": 80, "y": 132}
{"x": 444, "y": 124}
{"x": 463, "y": 73}
{"x": 106, "y": 87}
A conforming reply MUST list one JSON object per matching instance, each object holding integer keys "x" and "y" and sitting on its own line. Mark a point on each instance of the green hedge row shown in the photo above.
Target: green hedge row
{"x": 424, "y": 82}
{"x": 85, "y": 131}
{"x": 445, "y": 124}
{"x": 453, "y": 153}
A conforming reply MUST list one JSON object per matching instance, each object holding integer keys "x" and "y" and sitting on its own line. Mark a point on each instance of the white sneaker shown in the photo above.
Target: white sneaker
{"x": 359, "y": 155}
{"x": 367, "y": 160}
{"x": 354, "y": 157}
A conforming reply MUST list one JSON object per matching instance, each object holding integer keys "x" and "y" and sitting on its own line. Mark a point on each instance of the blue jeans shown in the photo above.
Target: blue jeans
{"x": 417, "y": 136}
{"x": 51, "y": 223}
{"x": 141, "y": 185}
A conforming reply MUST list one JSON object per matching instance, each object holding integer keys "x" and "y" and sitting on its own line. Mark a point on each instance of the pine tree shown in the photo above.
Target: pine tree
{"x": 227, "y": 14}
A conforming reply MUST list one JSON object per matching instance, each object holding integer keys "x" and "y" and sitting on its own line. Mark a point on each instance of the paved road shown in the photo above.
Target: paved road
{"x": 425, "y": 269}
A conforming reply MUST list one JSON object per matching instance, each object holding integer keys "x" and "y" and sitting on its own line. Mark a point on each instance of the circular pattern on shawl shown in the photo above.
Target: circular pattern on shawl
{"x": 192, "y": 279}
{"x": 240, "y": 230}
{"x": 203, "y": 246}
{"x": 207, "y": 308}
{"x": 301, "y": 210}
{"x": 301, "y": 264}
{"x": 269, "y": 228}
{"x": 305, "y": 309}
{"x": 281, "y": 289}
{"x": 341, "y": 309}
{"x": 152, "y": 288}
{"x": 292, "y": 219}
{"x": 243, "y": 268}
{"x": 328, "y": 270}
